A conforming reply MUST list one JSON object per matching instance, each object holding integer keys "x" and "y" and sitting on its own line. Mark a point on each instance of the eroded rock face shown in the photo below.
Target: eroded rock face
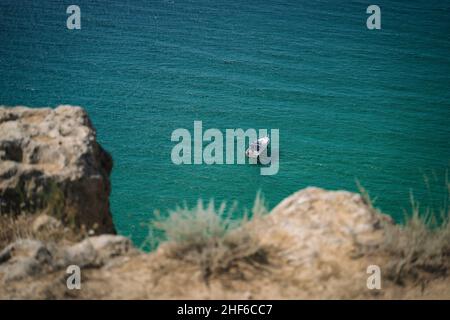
{"x": 314, "y": 223}
{"x": 50, "y": 161}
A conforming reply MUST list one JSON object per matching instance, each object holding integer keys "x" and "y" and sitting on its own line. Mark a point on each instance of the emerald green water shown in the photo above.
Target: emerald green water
{"x": 349, "y": 102}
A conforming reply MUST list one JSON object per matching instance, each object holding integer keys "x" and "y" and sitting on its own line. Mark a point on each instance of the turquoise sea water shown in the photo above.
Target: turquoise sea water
{"x": 349, "y": 102}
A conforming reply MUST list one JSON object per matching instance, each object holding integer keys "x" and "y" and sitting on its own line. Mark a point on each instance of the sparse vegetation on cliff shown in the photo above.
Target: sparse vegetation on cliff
{"x": 304, "y": 248}
{"x": 315, "y": 244}
{"x": 420, "y": 247}
{"x": 36, "y": 227}
{"x": 212, "y": 239}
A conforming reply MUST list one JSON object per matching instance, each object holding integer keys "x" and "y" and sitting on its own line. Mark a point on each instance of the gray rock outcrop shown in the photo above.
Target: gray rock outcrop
{"x": 51, "y": 162}
{"x": 29, "y": 258}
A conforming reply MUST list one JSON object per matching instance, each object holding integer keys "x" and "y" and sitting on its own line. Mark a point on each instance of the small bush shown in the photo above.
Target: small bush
{"x": 212, "y": 239}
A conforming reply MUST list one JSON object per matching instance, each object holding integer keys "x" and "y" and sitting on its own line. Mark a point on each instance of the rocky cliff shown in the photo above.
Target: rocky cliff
{"x": 50, "y": 161}
{"x": 315, "y": 244}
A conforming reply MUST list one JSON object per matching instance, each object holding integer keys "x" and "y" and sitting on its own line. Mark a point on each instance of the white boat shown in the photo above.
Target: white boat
{"x": 257, "y": 147}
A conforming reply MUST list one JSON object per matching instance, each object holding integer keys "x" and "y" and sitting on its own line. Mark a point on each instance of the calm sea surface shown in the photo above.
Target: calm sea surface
{"x": 349, "y": 102}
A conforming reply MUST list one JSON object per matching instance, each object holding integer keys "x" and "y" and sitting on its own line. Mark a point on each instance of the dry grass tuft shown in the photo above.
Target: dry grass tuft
{"x": 18, "y": 227}
{"x": 211, "y": 239}
{"x": 421, "y": 245}
{"x": 419, "y": 249}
